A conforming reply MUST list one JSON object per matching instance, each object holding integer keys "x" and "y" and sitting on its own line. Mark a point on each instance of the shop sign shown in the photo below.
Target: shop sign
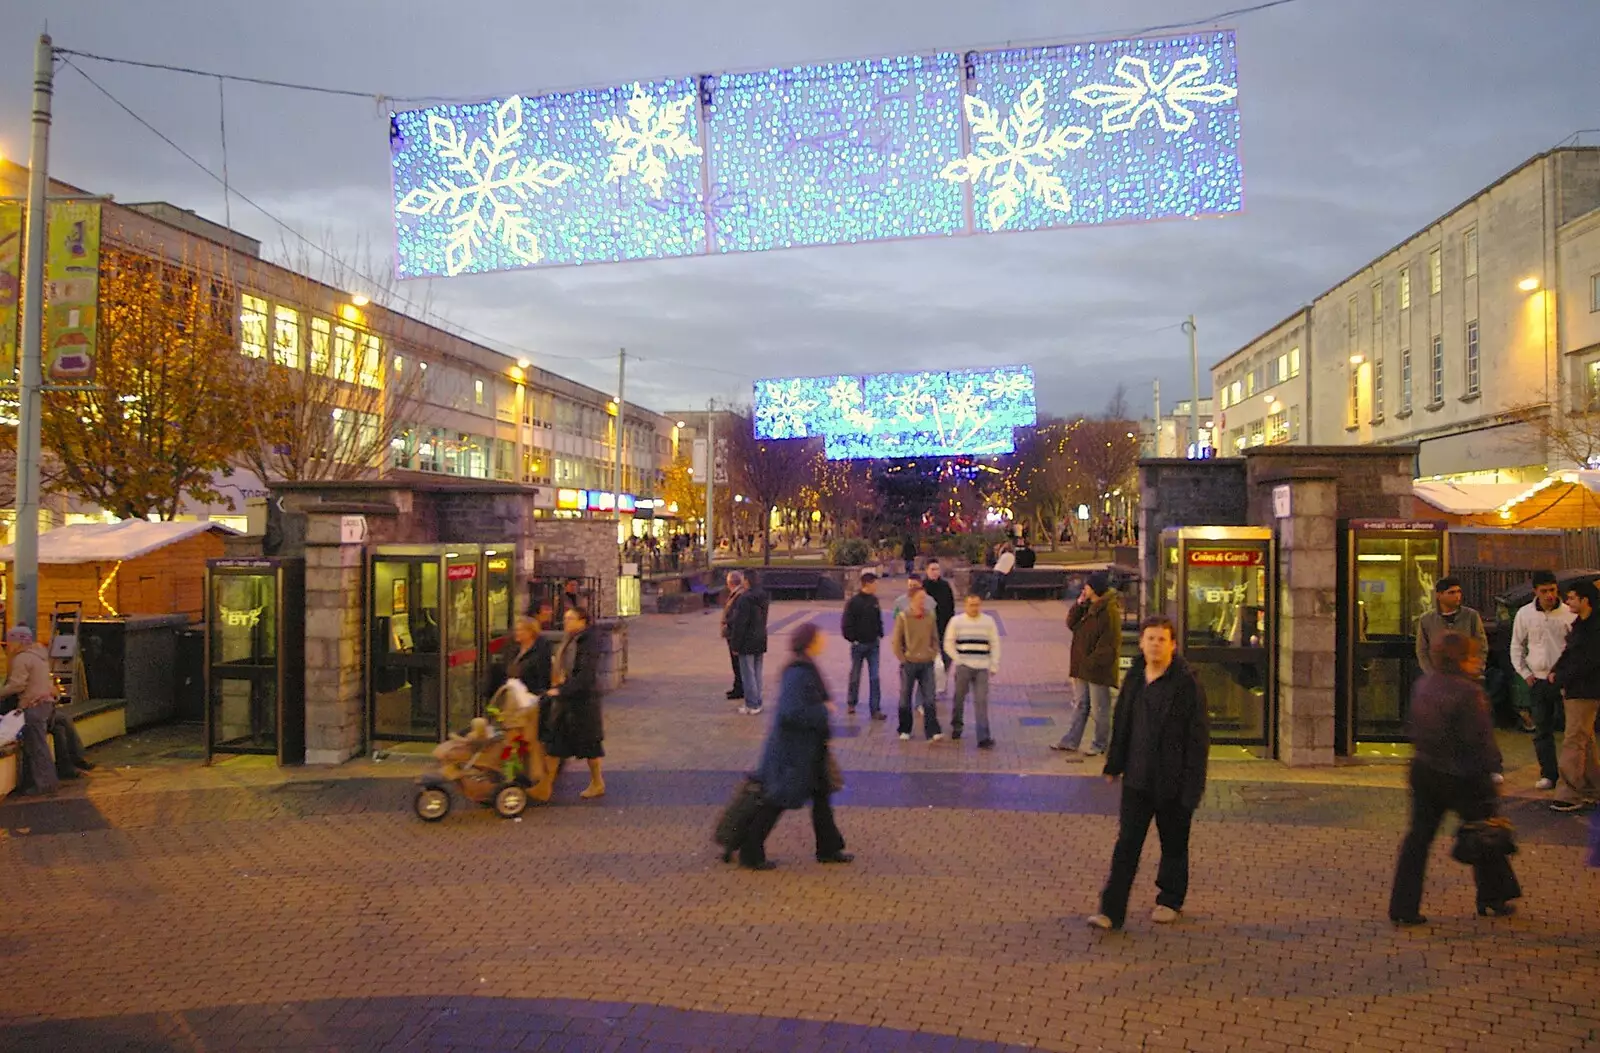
{"x": 572, "y": 500}
{"x": 601, "y": 500}
{"x": 1396, "y": 524}
{"x": 352, "y": 530}
{"x": 462, "y": 572}
{"x": 1227, "y": 557}
{"x": 240, "y": 619}
{"x": 500, "y": 565}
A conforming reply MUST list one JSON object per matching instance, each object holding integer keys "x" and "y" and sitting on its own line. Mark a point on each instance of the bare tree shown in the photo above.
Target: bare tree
{"x": 767, "y": 472}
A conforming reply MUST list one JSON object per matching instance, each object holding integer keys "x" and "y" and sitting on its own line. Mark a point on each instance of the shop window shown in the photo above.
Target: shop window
{"x": 253, "y": 326}
{"x": 286, "y": 336}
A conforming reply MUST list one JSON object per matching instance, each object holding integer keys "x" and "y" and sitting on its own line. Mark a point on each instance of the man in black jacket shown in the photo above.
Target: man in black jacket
{"x": 944, "y": 605}
{"x": 747, "y": 638}
{"x": 1160, "y": 740}
{"x": 1577, "y": 674}
{"x": 862, "y": 625}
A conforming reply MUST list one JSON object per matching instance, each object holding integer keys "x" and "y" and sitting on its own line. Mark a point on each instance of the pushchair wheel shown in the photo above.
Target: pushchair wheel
{"x": 431, "y": 804}
{"x": 511, "y": 801}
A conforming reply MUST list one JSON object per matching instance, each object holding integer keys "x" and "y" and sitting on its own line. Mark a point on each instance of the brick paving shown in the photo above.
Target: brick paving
{"x": 166, "y": 906}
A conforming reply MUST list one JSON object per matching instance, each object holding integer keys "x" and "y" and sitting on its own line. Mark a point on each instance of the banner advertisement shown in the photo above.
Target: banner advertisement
{"x": 10, "y": 288}
{"x": 71, "y": 291}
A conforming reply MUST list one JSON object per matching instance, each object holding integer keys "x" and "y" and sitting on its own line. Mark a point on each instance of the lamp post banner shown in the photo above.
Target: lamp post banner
{"x": 71, "y": 291}
{"x": 10, "y": 286}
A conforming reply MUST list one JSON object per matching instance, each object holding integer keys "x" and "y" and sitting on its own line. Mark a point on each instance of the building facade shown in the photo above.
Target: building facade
{"x": 1470, "y": 339}
{"x": 1168, "y": 434}
{"x": 475, "y": 413}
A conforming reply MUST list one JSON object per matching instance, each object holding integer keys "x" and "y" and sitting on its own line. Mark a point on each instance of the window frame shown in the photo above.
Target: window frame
{"x": 1406, "y": 378}
{"x": 1473, "y": 356}
{"x": 1435, "y": 271}
{"x": 1377, "y": 390}
{"x": 286, "y": 355}
{"x": 255, "y": 326}
{"x": 1405, "y": 288}
{"x": 1436, "y": 371}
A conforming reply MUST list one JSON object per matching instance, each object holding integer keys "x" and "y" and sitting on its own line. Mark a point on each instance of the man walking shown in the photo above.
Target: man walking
{"x": 944, "y": 608}
{"x": 1538, "y": 636}
{"x": 972, "y": 642}
{"x": 747, "y": 638}
{"x": 30, "y": 681}
{"x": 1451, "y": 616}
{"x": 916, "y": 645}
{"x": 1095, "y": 622}
{"x": 1159, "y": 743}
{"x": 862, "y": 625}
{"x": 913, "y": 585}
{"x": 1577, "y": 674}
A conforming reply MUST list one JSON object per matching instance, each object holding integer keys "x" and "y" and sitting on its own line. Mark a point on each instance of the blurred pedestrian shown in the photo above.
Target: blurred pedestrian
{"x": 795, "y": 763}
{"x": 1455, "y": 767}
{"x": 1095, "y": 622}
{"x": 1160, "y": 741}
{"x": 1538, "y": 636}
{"x": 1577, "y": 674}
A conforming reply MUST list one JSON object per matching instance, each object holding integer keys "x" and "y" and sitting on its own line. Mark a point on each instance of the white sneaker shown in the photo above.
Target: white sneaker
{"x": 1093, "y": 751}
{"x": 1100, "y": 921}
{"x": 1545, "y": 784}
{"x": 937, "y": 737}
{"x": 1163, "y": 915}
{"x": 905, "y": 737}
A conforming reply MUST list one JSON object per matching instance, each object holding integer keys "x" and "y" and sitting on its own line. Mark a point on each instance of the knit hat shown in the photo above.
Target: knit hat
{"x": 1099, "y": 582}
{"x": 20, "y": 634}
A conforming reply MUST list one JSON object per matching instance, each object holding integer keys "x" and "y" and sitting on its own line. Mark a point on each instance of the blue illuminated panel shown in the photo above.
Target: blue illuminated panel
{"x": 969, "y": 411}
{"x": 822, "y": 155}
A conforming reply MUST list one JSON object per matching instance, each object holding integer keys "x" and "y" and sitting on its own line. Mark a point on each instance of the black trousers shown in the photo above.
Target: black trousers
{"x": 738, "y": 677}
{"x": 1172, "y": 877}
{"x": 1549, "y": 717}
{"x": 1433, "y": 793}
{"x": 829, "y": 840}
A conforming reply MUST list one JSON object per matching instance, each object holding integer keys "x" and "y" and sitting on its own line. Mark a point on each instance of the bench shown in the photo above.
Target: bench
{"x": 785, "y": 583}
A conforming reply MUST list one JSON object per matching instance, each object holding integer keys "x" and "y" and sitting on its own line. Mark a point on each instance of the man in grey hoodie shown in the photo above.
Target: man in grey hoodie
{"x": 1450, "y": 616}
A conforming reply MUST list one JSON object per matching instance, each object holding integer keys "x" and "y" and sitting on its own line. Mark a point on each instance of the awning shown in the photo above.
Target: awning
{"x": 110, "y": 542}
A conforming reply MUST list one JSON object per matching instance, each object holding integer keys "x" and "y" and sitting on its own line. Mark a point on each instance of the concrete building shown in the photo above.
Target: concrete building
{"x": 1471, "y": 339}
{"x": 480, "y": 414}
{"x": 1168, "y": 434}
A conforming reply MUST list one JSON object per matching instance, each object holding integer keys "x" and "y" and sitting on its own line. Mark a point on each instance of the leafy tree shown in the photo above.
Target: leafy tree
{"x": 680, "y": 487}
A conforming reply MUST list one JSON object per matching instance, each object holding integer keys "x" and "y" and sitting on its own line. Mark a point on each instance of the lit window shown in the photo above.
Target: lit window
{"x": 1277, "y": 428}
{"x": 1405, "y": 288}
{"x": 371, "y": 366}
{"x": 477, "y": 392}
{"x": 1472, "y": 357}
{"x": 1405, "y": 380}
{"x": 1249, "y": 384}
{"x": 321, "y": 341}
{"x": 1377, "y": 390}
{"x": 1294, "y": 361}
{"x": 1435, "y": 272}
{"x": 1225, "y": 396}
{"x": 253, "y": 327}
{"x": 344, "y": 354}
{"x": 1354, "y": 416}
{"x": 286, "y": 337}
{"x": 1238, "y": 392}
{"x": 1469, "y": 252}
{"x": 1436, "y": 371}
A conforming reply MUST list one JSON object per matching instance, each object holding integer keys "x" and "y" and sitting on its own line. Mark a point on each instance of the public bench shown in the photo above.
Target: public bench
{"x": 1048, "y": 583}
{"x": 789, "y": 583}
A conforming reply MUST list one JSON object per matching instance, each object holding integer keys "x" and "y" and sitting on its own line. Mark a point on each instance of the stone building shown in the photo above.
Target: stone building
{"x": 1466, "y": 340}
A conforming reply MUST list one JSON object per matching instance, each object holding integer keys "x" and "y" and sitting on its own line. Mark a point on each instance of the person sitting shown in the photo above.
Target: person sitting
{"x": 35, "y": 690}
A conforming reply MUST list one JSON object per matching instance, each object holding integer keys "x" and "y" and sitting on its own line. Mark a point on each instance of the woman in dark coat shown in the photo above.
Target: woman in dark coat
{"x": 575, "y": 728}
{"x": 794, "y": 761}
{"x": 1455, "y": 769}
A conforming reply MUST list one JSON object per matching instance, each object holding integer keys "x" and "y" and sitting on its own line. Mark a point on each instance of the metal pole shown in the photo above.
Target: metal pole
{"x": 616, "y": 497}
{"x": 1155, "y": 445}
{"x": 1194, "y": 367}
{"x": 25, "y": 574}
{"x": 711, "y": 481}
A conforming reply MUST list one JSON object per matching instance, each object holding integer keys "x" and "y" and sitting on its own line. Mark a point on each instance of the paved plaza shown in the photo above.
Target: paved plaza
{"x": 165, "y": 905}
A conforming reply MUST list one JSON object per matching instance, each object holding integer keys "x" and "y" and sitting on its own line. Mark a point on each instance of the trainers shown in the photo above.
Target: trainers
{"x": 1545, "y": 784}
{"x": 905, "y": 736}
{"x": 1100, "y": 921}
{"x": 747, "y": 711}
{"x": 880, "y": 716}
{"x": 986, "y": 744}
{"x": 1093, "y": 751}
{"x": 1163, "y": 915}
{"x": 1568, "y": 806}
{"x": 955, "y": 736}
{"x": 936, "y": 737}
{"x": 1059, "y": 748}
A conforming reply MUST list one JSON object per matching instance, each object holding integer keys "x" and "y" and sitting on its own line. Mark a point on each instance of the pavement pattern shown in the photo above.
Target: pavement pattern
{"x": 164, "y": 905}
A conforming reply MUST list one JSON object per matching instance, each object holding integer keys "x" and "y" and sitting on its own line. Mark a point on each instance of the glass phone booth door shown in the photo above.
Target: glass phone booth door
{"x": 1217, "y": 582}
{"x": 499, "y": 614}
{"x": 424, "y": 641}
{"x": 255, "y": 658}
{"x": 1387, "y": 570}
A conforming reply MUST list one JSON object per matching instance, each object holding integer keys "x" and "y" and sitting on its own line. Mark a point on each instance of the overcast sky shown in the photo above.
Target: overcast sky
{"x": 1362, "y": 121}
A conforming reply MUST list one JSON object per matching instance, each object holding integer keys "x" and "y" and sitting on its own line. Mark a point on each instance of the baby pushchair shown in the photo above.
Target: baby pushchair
{"x": 499, "y": 763}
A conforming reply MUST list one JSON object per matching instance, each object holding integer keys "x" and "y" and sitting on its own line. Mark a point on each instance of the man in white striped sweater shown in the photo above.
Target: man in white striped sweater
{"x": 972, "y": 640}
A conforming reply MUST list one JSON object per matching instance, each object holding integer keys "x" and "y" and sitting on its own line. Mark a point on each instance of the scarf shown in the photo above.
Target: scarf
{"x": 566, "y": 658}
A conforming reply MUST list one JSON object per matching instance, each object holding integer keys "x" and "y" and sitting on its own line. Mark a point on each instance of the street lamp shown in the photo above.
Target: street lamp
{"x": 1528, "y": 284}
{"x": 360, "y": 299}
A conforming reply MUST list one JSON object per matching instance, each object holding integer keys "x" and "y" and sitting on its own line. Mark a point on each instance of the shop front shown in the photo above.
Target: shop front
{"x": 255, "y": 658}
{"x": 1217, "y": 585}
{"x": 1387, "y": 569}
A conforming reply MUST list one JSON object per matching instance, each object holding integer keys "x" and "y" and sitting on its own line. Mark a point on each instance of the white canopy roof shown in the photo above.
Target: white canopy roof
{"x": 1465, "y": 499}
{"x": 109, "y": 542}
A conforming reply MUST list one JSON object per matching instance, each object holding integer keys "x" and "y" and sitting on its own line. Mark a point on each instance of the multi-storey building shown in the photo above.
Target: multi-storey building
{"x": 478, "y": 413}
{"x": 1168, "y": 435}
{"x": 1472, "y": 338}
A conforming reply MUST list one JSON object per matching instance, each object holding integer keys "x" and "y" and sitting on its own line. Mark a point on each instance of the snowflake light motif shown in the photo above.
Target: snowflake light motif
{"x": 907, "y": 402}
{"x": 1016, "y": 156}
{"x": 1008, "y": 386}
{"x": 488, "y": 202}
{"x": 844, "y": 395}
{"x": 1168, "y": 98}
{"x": 862, "y": 419}
{"x": 787, "y": 410}
{"x": 648, "y": 138}
{"x": 964, "y": 406}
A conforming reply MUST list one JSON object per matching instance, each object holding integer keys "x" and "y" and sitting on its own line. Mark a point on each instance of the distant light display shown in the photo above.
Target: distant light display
{"x": 832, "y": 154}
{"x": 943, "y": 414}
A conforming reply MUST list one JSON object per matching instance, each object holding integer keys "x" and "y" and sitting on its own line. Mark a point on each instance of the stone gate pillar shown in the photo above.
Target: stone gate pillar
{"x": 1307, "y": 613}
{"x": 334, "y": 655}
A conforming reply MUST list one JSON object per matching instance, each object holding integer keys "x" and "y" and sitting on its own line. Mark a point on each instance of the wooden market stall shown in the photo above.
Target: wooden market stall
{"x": 1561, "y": 501}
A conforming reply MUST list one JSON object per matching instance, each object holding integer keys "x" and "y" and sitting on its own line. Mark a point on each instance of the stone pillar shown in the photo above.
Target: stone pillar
{"x": 335, "y": 663}
{"x": 1307, "y": 619}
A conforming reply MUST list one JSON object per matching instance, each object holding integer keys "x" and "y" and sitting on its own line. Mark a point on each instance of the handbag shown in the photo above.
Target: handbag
{"x": 832, "y": 776}
{"x": 1484, "y": 840}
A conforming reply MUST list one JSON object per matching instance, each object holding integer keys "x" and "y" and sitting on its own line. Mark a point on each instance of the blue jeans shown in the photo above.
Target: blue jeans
{"x": 918, "y": 675}
{"x": 750, "y": 673}
{"x": 978, "y": 681}
{"x": 1089, "y": 696}
{"x": 868, "y": 653}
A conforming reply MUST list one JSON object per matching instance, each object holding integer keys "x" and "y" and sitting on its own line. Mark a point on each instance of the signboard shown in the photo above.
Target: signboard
{"x": 600, "y": 500}
{"x": 352, "y": 530}
{"x": 697, "y": 461}
{"x": 71, "y": 291}
{"x": 572, "y": 500}
{"x": 1227, "y": 557}
{"x": 10, "y": 286}
{"x": 1396, "y": 524}
{"x": 461, "y": 571}
{"x": 1282, "y": 501}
